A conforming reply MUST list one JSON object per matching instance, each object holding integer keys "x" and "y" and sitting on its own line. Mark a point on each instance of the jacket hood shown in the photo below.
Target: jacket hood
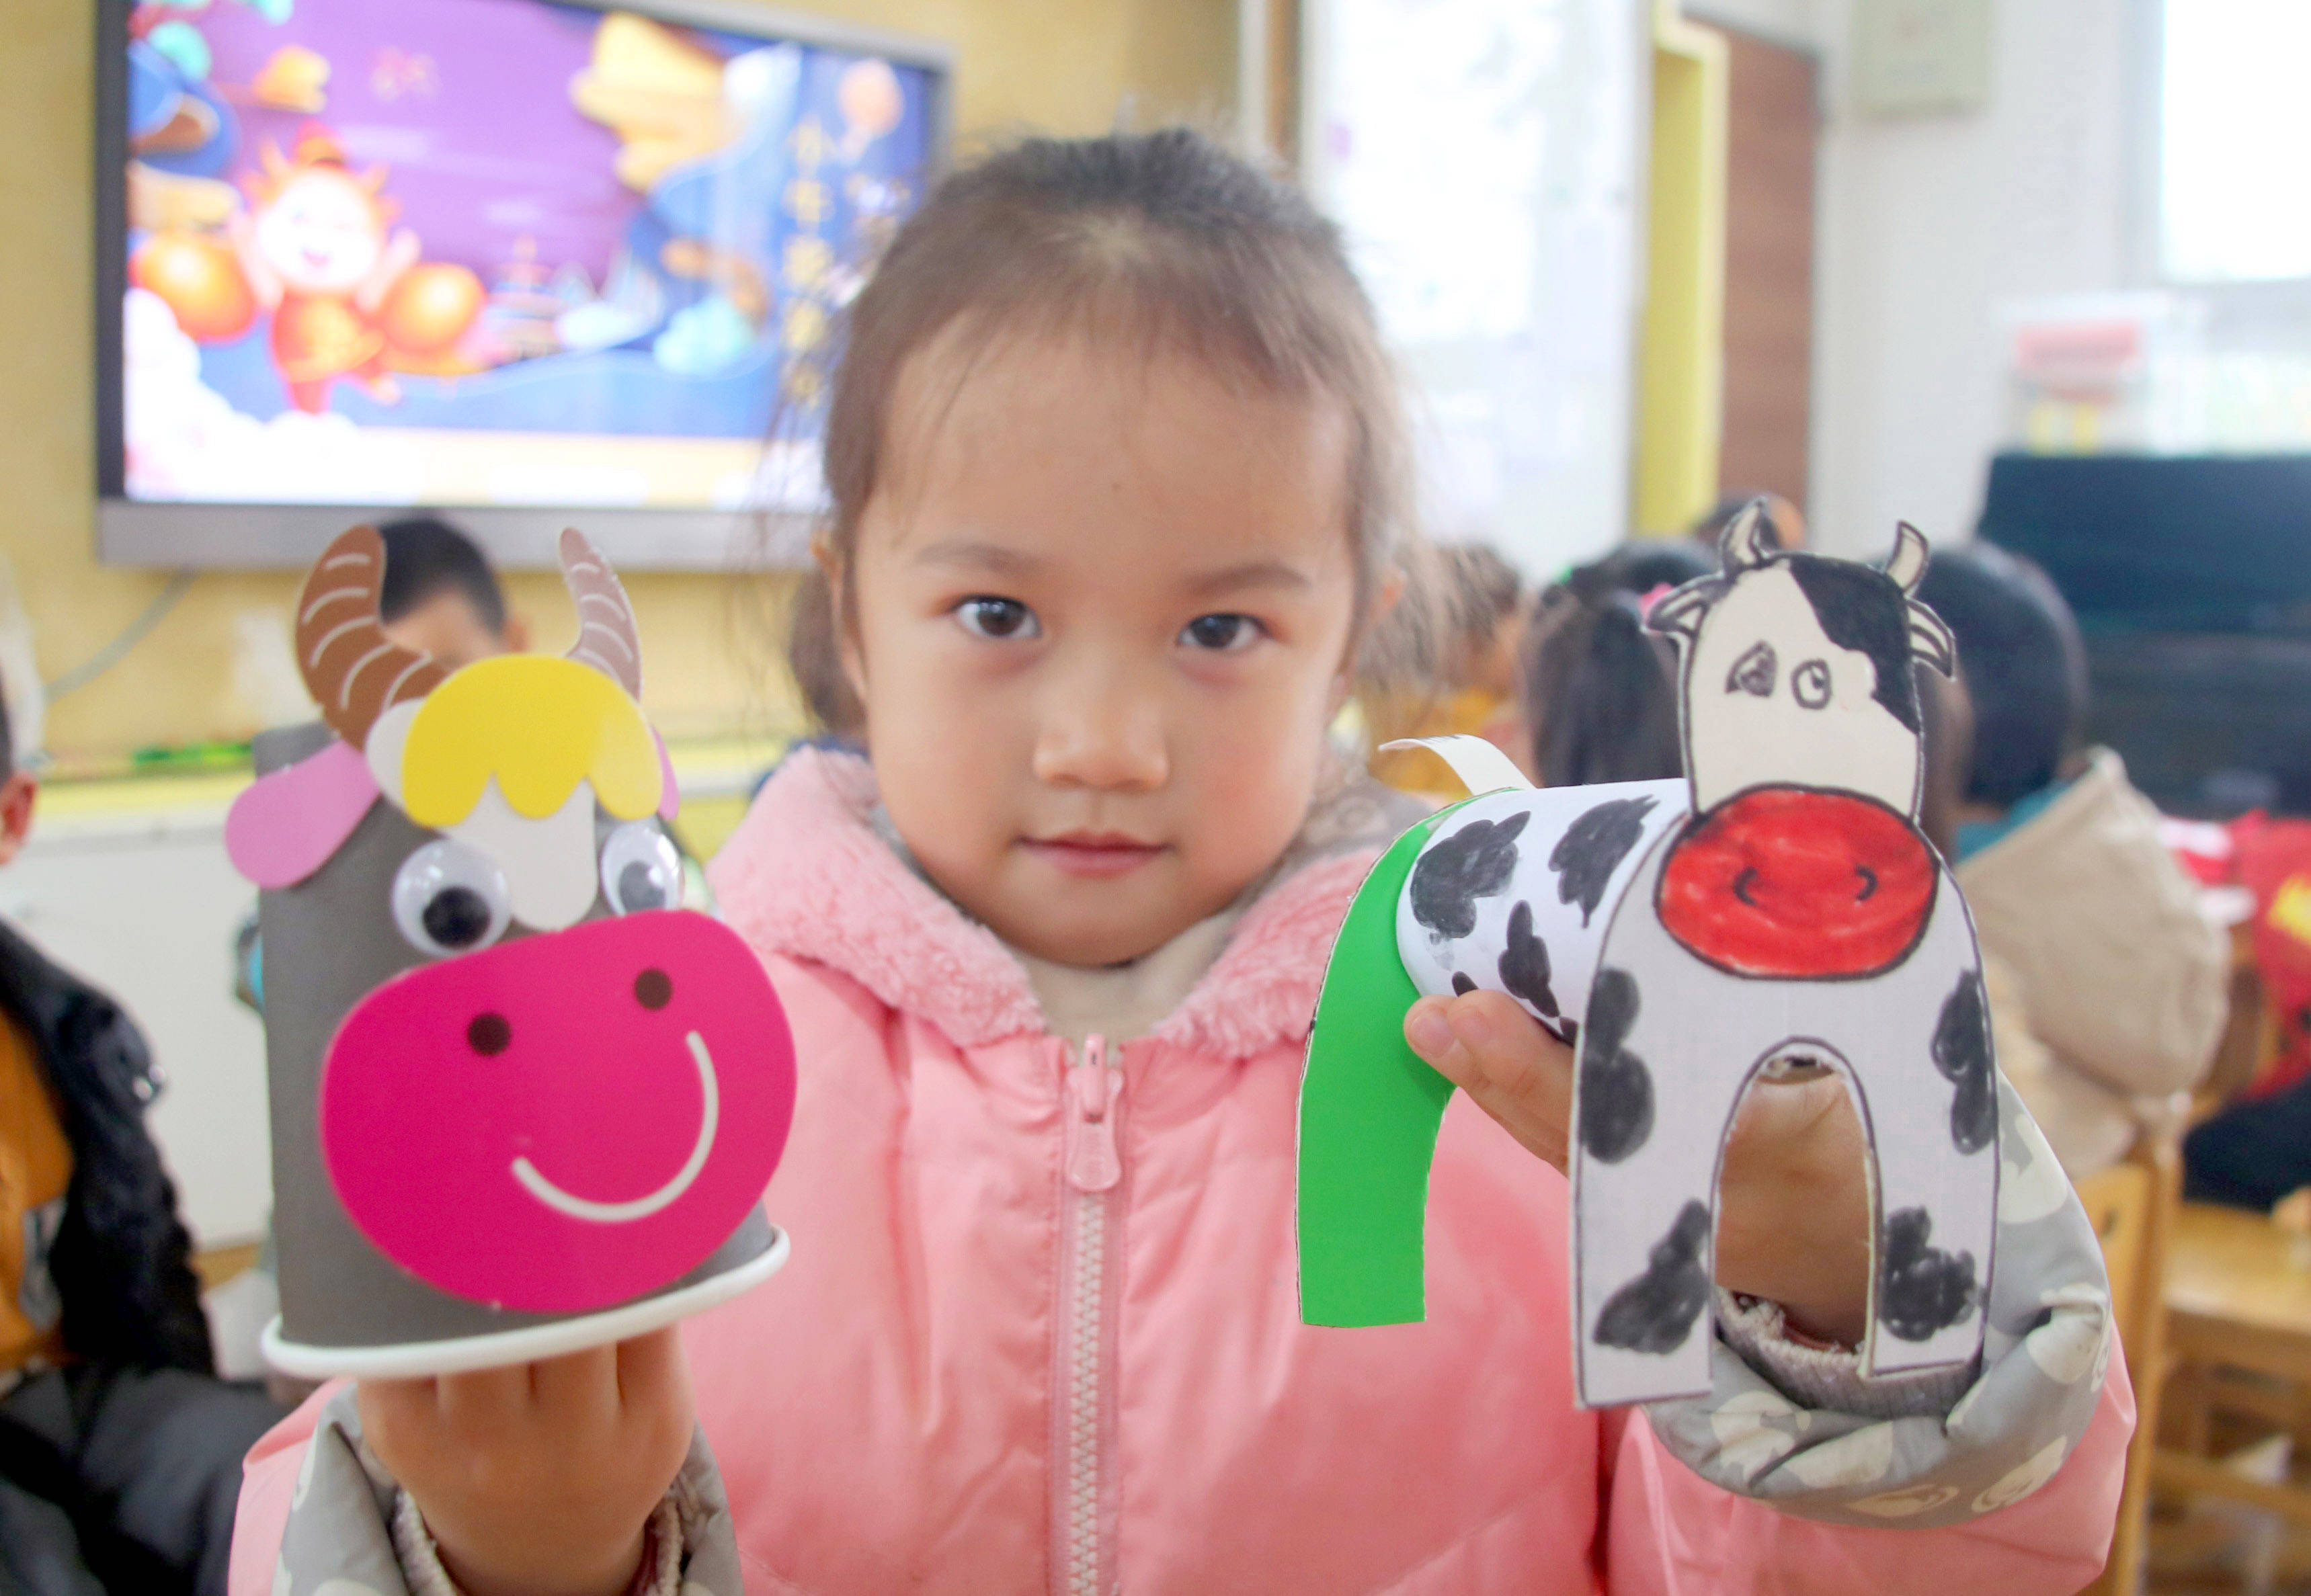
{"x": 806, "y": 876}
{"x": 2119, "y": 968}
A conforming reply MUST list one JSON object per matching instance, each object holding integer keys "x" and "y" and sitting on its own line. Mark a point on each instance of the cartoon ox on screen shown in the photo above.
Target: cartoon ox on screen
{"x": 1778, "y": 908}
{"x": 513, "y": 1080}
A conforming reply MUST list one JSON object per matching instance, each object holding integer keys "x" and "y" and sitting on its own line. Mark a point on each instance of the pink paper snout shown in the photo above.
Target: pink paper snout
{"x": 564, "y": 1122}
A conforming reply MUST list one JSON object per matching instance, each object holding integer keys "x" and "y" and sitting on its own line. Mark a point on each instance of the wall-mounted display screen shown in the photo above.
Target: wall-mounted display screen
{"x": 484, "y": 253}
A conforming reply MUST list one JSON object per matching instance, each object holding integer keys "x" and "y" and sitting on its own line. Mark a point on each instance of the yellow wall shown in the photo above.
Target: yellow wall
{"x": 1056, "y": 66}
{"x": 1681, "y": 342}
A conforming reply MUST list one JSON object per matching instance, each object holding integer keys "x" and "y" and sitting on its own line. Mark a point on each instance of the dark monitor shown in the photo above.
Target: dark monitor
{"x": 2168, "y": 543}
{"x": 2191, "y": 577}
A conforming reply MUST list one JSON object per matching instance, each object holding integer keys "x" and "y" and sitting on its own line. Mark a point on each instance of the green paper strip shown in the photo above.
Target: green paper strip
{"x": 1369, "y": 1113}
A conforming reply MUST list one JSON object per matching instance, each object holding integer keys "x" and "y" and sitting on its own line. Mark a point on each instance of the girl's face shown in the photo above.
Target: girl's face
{"x": 1104, "y": 609}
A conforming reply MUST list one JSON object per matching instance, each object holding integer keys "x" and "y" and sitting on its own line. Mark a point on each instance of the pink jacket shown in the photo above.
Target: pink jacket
{"x": 976, "y": 1376}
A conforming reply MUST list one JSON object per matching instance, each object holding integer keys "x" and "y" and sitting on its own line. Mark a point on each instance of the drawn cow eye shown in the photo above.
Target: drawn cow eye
{"x": 641, "y": 870}
{"x": 1754, "y": 672}
{"x": 1809, "y": 684}
{"x": 450, "y": 898}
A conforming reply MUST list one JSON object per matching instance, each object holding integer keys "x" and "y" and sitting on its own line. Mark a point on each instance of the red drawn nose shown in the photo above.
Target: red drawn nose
{"x": 1795, "y": 883}
{"x": 562, "y": 1121}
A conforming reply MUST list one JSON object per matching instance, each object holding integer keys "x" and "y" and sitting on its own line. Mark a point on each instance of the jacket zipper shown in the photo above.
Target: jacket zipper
{"x": 1093, "y": 1167}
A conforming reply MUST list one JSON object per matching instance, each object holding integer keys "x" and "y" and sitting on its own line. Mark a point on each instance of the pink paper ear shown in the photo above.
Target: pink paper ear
{"x": 284, "y": 826}
{"x": 669, "y": 797}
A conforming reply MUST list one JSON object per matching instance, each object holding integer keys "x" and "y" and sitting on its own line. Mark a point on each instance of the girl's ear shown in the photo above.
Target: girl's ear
{"x": 837, "y": 575}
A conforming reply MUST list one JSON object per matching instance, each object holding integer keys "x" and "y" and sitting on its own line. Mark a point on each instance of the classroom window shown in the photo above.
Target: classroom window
{"x": 2234, "y": 126}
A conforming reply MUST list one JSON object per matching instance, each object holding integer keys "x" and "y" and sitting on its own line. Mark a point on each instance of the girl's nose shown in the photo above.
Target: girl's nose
{"x": 1103, "y": 735}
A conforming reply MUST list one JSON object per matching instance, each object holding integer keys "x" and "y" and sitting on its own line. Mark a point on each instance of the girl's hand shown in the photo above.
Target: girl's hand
{"x": 538, "y": 1481}
{"x": 1793, "y": 1205}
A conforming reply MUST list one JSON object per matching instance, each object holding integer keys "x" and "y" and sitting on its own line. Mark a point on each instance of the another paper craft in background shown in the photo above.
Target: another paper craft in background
{"x": 522, "y": 1102}
{"x": 1778, "y": 906}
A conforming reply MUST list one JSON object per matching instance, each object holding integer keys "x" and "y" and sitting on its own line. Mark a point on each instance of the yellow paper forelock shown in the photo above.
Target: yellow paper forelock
{"x": 540, "y": 725}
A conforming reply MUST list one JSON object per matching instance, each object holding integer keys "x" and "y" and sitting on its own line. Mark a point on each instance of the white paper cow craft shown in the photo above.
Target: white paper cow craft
{"x": 1779, "y": 906}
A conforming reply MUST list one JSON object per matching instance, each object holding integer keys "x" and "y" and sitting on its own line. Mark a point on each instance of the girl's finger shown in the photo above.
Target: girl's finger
{"x": 485, "y": 1397}
{"x": 650, "y": 1368}
{"x": 391, "y": 1408}
{"x": 1429, "y": 1033}
{"x": 578, "y": 1385}
{"x": 1522, "y": 1062}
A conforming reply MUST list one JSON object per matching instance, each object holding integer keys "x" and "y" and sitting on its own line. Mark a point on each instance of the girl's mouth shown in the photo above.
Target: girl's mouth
{"x": 1092, "y": 855}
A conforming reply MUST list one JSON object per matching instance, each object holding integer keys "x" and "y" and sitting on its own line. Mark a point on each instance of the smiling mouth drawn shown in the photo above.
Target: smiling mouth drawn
{"x": 640, "y": 1207}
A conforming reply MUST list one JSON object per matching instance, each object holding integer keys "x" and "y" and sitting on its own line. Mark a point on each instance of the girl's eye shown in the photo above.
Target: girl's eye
{"x": 998, "y": 617}
{"x": 1221, "y": 634}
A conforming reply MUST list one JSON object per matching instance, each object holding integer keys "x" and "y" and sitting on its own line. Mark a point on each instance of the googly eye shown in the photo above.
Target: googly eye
{"x": 450, "y": 898}
{"x": 641, "y": 870}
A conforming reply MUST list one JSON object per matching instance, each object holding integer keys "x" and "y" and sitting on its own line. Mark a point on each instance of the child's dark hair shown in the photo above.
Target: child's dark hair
{"x": 2021, "y": 661}
{"x": 424, "y": 556}
{"x": 1162, "y": 238}
{"x": 1601, "y": 691}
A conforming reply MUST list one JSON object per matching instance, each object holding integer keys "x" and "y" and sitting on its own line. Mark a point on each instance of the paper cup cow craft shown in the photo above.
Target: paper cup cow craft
{"x": 522, "y": 1102}
{"x": 1779, "y": 904}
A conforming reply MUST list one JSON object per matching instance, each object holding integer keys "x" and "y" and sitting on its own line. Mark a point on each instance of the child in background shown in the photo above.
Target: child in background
{"x": 1118, "y": 507}
{"x": 441, "y": 596}
{"x": 1600, "y": 691}
{"x": 119, "y": 1449}
{"x": 1480, "y": 600}
{"x": 2107, "y": 985}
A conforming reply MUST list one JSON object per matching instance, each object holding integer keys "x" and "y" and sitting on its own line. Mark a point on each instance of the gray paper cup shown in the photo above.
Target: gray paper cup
{"x": 348, "y": 1305}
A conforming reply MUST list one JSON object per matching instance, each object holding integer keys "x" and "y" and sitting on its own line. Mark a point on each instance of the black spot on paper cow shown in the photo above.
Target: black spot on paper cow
{"x": 1593, "y": 848}
{"x": 1655, "y": 1312}
{"x": 1921, "y": 1288}
{"x": 1961, "y": 1051}
{"x": 1617, "y": 1089}
{"x": 1524, "y": 963}
{"x": 1473, "y": 863}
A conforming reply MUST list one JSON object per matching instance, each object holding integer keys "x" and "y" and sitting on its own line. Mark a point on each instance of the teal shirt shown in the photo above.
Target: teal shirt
{"x": 1973, "y": 835}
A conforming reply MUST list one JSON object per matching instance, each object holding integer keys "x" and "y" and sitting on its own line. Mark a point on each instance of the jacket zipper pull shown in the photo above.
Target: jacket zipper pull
{"x": 1093, "y": 1163}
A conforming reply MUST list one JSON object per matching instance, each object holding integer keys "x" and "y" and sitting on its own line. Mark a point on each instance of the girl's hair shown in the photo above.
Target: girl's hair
{"x": 1166, "y": 239}
{"x": 1599, "y": 690}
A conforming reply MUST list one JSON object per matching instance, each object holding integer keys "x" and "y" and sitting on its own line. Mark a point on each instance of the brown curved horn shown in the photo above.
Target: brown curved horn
{"x": 353, "y": 671}
{"x": 606, "y": 638}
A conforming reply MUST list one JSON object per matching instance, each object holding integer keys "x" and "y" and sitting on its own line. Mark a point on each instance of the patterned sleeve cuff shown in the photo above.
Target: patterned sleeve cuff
{"x": 1801, "y": 1428}
{"x": 659, "y": 1575}
{"x": 1828, "y": 1377}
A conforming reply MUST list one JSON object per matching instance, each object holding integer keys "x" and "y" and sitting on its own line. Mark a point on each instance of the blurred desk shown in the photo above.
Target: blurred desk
{"x": 2238, "y": 1299}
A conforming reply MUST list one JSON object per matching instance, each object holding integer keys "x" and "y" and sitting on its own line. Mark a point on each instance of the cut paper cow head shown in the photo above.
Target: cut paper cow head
{"x": 578, "y": 1090}
{"x": 1797, "y": 670}
{"x": 508, "y": 758}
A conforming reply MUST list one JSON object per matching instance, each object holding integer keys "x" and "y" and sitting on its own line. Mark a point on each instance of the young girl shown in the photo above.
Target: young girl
{"x": 1116, "y": 483}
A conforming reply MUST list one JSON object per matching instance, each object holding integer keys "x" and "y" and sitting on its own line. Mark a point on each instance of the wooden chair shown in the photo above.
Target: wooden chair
{"x": 2134, "y": 1206}
{"x": 2239, "y": 1298}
